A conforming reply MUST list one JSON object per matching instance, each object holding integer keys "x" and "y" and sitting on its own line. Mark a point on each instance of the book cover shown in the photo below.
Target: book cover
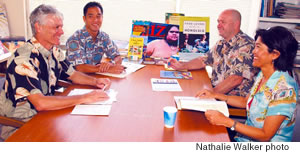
{"x": 138, "y": 39}
{"x": 192, "y": 103}
{"x": 136, "y": 46}
{"x": 194, "y": 34}
{"x": 173, "y": 18}
{"x": 176, "y": 74}
{"x": 163, "y": 40}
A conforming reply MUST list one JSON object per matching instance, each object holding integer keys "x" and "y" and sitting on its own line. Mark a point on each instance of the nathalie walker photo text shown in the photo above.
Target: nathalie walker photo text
{"x": 242, "y": 146}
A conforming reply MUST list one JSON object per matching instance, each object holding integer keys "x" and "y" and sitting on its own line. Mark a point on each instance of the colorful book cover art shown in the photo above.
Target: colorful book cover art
{"x": 173, "y": 18}
{"x": 194, "y": 34}
{"x": 176, "y": 74}
{"x": 140, "y": 28}
{"x": 136, "y": 45}
{"x": 163, "y": 40}
{"x": 138, "y": 39}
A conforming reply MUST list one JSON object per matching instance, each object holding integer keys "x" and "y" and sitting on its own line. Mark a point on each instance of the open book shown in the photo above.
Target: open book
{"x": 192, "y": 103}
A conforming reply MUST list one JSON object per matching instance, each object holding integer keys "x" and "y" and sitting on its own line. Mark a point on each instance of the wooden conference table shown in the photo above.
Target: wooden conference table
{"x": 136, "y": 116}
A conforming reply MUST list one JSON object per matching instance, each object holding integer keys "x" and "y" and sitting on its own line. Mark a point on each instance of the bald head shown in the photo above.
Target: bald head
{"x": 229, "y": 23}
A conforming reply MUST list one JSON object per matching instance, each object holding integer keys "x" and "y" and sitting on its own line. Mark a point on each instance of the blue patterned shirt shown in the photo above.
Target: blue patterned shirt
{"x": 277, "y": 96}
{"x": 81, "y": 49}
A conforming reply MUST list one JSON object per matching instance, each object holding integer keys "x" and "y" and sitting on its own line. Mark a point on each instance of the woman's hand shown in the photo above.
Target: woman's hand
{"x": 217, "y": 118}
{"x": 205, "y": 94}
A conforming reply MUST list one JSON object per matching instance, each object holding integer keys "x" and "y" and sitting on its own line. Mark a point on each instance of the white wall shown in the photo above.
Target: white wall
{"x": 117, "y": 16}
{"x": 17, "y": 18}
{"x": 249, "y": 10}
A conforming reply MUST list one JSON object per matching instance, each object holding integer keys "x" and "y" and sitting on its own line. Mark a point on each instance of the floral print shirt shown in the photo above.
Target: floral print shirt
{"x": 83, "y": 50}
{"x": 277, "y": 96}
{"x": 32, "y": 69}
{"x": 232, "y": 58}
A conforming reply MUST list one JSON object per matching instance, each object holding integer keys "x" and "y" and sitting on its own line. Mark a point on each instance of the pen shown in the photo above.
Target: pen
{"x": 103, "y": 89}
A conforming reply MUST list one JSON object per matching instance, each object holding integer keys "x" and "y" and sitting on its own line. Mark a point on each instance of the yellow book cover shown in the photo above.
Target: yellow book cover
{"x": 136, "y": 45}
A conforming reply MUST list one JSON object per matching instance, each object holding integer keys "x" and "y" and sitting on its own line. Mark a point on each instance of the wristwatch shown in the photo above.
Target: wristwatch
{"x": 233, "y": 126}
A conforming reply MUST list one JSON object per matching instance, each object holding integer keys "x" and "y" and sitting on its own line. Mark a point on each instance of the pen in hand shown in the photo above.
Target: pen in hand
{"x": 104, "y": 87}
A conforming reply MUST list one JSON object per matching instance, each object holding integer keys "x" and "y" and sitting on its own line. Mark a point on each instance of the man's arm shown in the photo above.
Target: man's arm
{"x": 118, "y": 60}
{"x": 42, "y": 103}
{"x": 228, "y": 84}
{"x": 87, "y": 68}
{"x": 194, "y": 64}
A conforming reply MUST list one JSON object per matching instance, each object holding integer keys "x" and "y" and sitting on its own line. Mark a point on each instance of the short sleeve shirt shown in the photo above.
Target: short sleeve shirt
{"x": 32, "y": 69}
{"x": 81, "y": 49}
{"x": 232, "y": 58}
{"x": 276, "y": 97}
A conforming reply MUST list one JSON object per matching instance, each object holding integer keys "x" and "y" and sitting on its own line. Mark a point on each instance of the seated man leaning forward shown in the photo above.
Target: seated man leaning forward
{"x": 86, "y": 46}
{"x": 34, "y": 70}
{"x": 231, "y": 57}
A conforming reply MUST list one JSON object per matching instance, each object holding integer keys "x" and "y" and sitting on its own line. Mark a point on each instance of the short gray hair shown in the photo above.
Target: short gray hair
{"x": 39, "y": 14}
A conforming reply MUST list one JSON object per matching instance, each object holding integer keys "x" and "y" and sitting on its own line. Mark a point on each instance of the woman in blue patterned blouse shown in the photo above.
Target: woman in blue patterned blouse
{"x": 271, "y": 103}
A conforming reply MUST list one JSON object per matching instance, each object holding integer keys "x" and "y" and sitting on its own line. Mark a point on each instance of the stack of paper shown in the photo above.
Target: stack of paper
{"x": 95, "y": 108}
{"x": 192, "y": 103}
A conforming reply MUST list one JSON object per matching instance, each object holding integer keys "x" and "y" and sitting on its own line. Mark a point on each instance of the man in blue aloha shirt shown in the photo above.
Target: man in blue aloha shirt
{"x": 86, "y": 47}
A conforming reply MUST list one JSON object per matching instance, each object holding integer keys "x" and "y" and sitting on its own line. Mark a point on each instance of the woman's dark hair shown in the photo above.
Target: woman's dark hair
{"x": 92, "y": 4}
{"x": 168, "y": 28}
{"x": 281, "y": 39}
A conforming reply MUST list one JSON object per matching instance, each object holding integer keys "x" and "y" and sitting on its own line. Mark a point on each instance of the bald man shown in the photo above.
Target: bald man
{"x": 230, "y": 58}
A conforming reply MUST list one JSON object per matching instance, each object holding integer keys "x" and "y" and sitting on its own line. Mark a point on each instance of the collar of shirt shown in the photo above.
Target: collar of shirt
{"x": 233, "y": 40}
{"x": 46, "y": 53}
{"x": 87, "y": 35}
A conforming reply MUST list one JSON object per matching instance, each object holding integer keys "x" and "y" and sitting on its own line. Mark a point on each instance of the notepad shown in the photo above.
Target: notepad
{"x": 95, "y": 108}
{"x": 91, "y": 110}
{"x": 192, "y": 103}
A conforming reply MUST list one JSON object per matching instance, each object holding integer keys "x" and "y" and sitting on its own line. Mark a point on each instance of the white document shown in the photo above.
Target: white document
{"x": 165, "y": 85}
{"x": 111, "y": 93}
{"x": 95, "y": 108}
{"x": 91, "y": 110}
{"x": 192, "y": 103}
{"x": 130, "y": 68}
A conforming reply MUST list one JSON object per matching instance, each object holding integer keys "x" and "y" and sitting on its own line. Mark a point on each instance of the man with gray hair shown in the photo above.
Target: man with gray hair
{"x": 231, "y": 57}
{"x": 34, "y": 70}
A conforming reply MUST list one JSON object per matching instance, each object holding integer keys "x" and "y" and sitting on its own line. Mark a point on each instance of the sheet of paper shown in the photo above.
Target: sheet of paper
{"x": 130, "y": 68}
{"x": 91, "y": 110}
{"x": 165, "y": 85}
{"x": 111, "y": 93}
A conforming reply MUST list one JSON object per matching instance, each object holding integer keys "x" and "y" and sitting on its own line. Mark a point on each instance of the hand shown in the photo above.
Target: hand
{"x": 205, "y": 94}
{"x": 104, "y": 66}
{"x": 217, "y": 118}
{"x": 94, "y": 96}
{"x": 102, "y": 83}
{"x": 116, "y": 69}
{"x": 173, "y": 63}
